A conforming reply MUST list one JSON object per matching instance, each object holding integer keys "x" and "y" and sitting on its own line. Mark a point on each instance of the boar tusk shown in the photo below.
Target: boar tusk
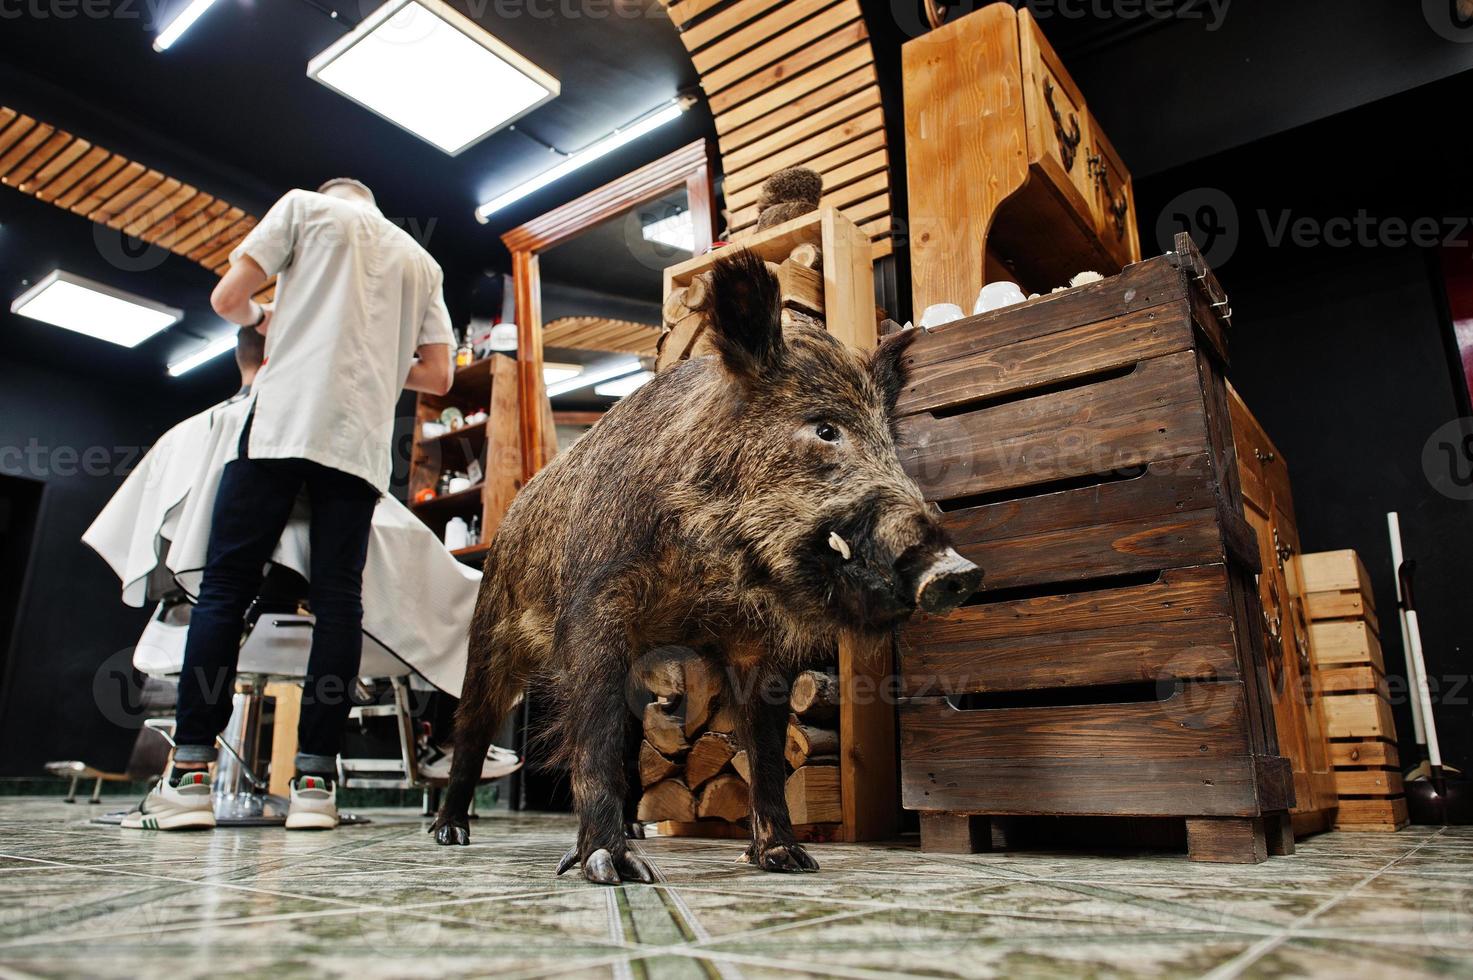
{"x": 839, "y": 544}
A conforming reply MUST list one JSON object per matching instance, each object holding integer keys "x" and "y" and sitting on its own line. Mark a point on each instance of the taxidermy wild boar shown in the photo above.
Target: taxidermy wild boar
{"x": 749, "y": 506}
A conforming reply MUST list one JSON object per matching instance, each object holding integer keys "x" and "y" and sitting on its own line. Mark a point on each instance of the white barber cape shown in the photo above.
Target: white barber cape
{"x": 417, "y": 598}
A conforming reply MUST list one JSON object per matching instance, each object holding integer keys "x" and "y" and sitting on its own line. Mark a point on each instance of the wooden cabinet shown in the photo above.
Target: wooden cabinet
{"x": 1294, "y": 683}
{"x": 1009, "y": 174}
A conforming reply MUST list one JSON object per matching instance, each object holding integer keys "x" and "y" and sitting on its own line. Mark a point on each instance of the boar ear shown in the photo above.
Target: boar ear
{"x": 745, "y": 320}
{"x": 887, "y": 365}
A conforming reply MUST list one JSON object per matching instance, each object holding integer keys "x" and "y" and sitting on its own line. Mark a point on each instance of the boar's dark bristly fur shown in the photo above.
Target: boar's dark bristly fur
{"x": 748, "y": 507}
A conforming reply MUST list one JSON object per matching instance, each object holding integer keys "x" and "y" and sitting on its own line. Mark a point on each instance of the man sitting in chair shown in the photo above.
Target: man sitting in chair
{"x": 358, "y": 316}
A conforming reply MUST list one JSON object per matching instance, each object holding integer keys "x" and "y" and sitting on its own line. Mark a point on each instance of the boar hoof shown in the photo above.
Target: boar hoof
{"x": 599, "y": 868}
{"x": 451, "y": 834}
{"x": 603, "y": 868}
{"x": 780, "y": 857}
{"x": 634, "y": 830}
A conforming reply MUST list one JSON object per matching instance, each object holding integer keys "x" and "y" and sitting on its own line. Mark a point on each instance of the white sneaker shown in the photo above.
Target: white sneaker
{"x": 436, "y": 762}
{"x": 314, "y": 804}
{"x": 186, "y": 806}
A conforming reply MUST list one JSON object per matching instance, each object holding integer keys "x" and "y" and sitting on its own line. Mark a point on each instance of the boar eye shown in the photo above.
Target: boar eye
{"x": 827, "y": 431}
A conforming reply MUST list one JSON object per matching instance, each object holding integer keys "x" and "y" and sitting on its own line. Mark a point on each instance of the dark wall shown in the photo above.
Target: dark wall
{"x": 78, "y": 436}
{"x": 1341, "y": 347}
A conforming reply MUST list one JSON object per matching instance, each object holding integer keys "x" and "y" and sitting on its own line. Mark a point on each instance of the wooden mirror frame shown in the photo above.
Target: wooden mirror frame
{"x": 690, "y": 166}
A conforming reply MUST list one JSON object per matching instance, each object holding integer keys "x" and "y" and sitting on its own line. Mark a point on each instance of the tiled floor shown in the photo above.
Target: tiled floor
{"x": 384, "y": 900}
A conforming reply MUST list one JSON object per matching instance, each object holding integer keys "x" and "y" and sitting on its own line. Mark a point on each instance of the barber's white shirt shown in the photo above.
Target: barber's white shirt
{"x": 355, "y": 296}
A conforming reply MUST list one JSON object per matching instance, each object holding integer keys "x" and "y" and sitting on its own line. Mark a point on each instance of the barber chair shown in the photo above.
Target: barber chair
{"x": 275, "y": 648}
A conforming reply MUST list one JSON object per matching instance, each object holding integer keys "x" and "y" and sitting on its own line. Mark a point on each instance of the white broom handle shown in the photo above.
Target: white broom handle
{"x": 1393, "y": 525}
{"x": 1424, "y": 694}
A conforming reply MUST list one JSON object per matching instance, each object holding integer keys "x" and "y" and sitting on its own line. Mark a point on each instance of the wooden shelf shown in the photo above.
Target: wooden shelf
{"x": 449, "y": 501}
{"x": 475, "y": 551}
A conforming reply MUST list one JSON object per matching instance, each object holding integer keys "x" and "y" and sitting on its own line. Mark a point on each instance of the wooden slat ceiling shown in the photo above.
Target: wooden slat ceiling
{"x": 792, "y": 83}
{"x": 67, "y": 171}
{"x": 601, "y": 333}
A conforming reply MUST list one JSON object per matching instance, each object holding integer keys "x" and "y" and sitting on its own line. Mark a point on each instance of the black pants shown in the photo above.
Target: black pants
{"x": 255, "y": 500}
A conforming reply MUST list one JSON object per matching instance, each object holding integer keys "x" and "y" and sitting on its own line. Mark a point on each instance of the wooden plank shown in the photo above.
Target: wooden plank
{"x": 55, "y": 167}
{"x": 688, "y": 10}
{"x": 1031, "y": 785}
{"x": 1048, "y": 358}
{"x": 779, "y": 20}
{"x": 73, "y": 176}
{"x": 1368, "y": 782}
{"x": 143, "y": 203}
{"x": 1150, "y": 414}
{"x": 185, "y": 233}
{"x": 1142, "y": 287}
{"x": 23, "y": 147}
{"x": 13, "y": 126}
{"x": 1358, "y": 716}
{"x": 796, "y": 39}
{"x": 1093, "y": 531}
{"x": 821, "y": 142}
{"x": 745, "y": 188}
{"x": 1365, "y": 753}
{"x": 147, "y": 218}
{"x": 1372, "y": 815}
{"x": 817, "y": 53}
{"x": 794, "y": 100}
{"x": 1341, "y": 605}
{"x": 20, "y": 175}
{"x": 1200, "y": 720}
{"x": 1359, "y": 679}
{"x": 208, "y": 228}
{"x": 112, "y": 207}
{"x": 812, "y": 123}
{"x": 104, "y": 172}
{"x": 109, "y": 184}
{"x": 850, "y": 198}
{"x": 1334, "y": 571}
{"x": 724, "y": 21}
{"x": 1344, "y": 643}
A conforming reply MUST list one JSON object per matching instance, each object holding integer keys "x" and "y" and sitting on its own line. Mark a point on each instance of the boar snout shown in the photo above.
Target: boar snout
{"x": 946, "y": 582}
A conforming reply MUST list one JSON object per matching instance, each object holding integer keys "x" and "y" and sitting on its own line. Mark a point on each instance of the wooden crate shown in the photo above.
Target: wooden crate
{"x": 1079, "y": 447}
{"x": 1295, "y": 680}
{"x": 854, "y": 796}
{"x": 1357, "y": 702}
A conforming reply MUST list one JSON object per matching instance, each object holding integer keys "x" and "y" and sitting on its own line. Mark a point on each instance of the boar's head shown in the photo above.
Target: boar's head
{"x": 801, "y": 456}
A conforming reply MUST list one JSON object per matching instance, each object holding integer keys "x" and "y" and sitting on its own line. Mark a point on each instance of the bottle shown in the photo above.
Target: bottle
{"x": 474, "y": 538}
{"x": 456, "y": 533}
{"x": 464, "y": 356}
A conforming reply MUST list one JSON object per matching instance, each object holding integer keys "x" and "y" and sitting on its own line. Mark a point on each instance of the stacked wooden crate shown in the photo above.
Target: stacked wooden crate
{"x": 1345, "y": 638}
{"x": 1080, "y": 450}
{"x": 694, "y": 778}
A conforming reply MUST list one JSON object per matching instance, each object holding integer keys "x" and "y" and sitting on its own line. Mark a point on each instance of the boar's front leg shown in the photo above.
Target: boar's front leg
{"x": 595, "y": 727}
{"x": 762, "y": 731}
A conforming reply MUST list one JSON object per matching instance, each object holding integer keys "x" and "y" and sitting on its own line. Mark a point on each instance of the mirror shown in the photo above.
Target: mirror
{"x": 589, "y": 286}
{"x": 601, "y": 296}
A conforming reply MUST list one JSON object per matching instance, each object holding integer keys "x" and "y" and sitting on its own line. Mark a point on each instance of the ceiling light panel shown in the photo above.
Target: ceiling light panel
{"x": 92, "y": 308}
{"x": 432, "y": 71}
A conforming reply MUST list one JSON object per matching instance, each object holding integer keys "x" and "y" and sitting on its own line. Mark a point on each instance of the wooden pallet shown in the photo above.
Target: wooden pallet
{"x": 1080, "y": 450}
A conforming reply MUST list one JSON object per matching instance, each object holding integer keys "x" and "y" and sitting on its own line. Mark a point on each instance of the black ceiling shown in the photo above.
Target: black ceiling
{"x": 231, "y": 110}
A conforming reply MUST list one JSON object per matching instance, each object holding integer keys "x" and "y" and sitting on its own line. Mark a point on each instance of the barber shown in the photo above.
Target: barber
{"x": 358, "y": 316}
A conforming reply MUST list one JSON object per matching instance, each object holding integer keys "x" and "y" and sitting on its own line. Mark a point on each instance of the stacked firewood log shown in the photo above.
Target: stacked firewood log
{"x": 800, "y": 276}
{"x": 690, "y": 767}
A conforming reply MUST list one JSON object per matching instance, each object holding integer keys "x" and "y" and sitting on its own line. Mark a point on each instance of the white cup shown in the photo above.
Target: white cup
{"x": 938, "y": 313}
{"x": 996, "y": 295}
{"x": 459, "y": 483}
